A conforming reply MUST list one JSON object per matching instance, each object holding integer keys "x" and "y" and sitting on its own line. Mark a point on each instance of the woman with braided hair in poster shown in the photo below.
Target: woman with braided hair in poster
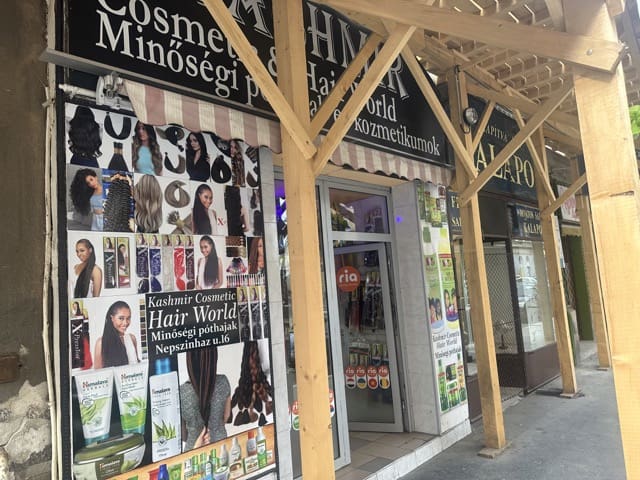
{"x": 205, "y": 400}
{"x": 203, "y": 216}
{"x": 85, "y": 279}
{"x": 209, "y": 272}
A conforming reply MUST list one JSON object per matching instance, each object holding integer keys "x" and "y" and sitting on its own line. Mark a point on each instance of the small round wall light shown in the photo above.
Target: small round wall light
{"x": 470, "y": 116}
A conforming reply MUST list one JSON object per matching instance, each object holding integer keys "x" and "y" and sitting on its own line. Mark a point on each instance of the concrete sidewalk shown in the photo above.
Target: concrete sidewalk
{"x": 551, "y": 437}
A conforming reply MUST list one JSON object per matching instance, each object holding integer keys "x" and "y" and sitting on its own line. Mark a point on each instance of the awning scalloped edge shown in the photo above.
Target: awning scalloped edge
{"x": 155, "y": 106}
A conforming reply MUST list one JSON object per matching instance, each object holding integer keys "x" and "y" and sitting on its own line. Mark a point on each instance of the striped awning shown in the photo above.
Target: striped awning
{"x": 155, "y": 106}
{"x": 375, "y": 161}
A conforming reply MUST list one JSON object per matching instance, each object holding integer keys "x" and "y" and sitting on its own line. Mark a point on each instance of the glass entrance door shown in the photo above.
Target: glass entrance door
{"x": 367, "y": 340}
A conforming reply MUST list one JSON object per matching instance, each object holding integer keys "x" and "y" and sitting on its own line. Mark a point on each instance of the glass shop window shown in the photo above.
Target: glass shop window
{"x": 534, "y": 301}
{"x": 358, "y": 212}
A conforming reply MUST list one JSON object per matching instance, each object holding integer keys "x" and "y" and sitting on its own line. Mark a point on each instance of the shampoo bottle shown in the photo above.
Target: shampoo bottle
{"x": 163, "y": 473}
{"x": 223, "y": 457}
{"x": 251, "y": 444}
{"x": 261, "y": 447}
{"x": 236, "y": 452}
{"x": 165, "y": 411}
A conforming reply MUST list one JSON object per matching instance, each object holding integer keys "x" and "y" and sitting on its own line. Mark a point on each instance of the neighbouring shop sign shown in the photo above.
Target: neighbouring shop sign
{"x": 568, "y": 209}
{"x": 179, "y": 43}
{"x": 453, "y": 213}
{"x": 525, "y": 222}
{"x": 516, "y": 177}
{"x": 348, "y": 278}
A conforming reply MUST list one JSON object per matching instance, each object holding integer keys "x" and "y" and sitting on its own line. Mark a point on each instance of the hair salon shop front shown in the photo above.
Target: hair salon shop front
{"x": 181, "y": 248}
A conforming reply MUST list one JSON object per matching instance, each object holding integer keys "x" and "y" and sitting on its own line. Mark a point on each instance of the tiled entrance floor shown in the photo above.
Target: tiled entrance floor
{"x": 372, "y": 451}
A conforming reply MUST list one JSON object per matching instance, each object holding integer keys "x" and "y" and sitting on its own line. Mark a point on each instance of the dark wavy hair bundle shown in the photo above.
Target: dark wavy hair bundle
{"x": 254, "y": 393}
{"x": 117, "y": 207}
{"x": 84, "y": 133}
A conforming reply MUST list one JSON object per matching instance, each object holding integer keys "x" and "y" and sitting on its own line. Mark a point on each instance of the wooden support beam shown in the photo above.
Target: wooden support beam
{"x": 616, "y": 7}
{"x": 477, "y": 61}
{"x": 509, "y": 100}
{"x": 565, "y": 131}
{"x": 530, "y": 66}
{"x": 557, "y": 203}
{"x": 569, "y": 144}
{"x": 260, "y": 75}
{"x": 594, "y": 285}
{"x": 515, "y": 143}
{"x": 481, "y": 323}
{"x": 538, "y": 162}
{"x": 344, "y": 83}
{"x": 554, "y": 274}
{"x": 503, "y": 9}
{"x": 465, "y": 156}
{"x": 482, "y": 124}
{"x": 590, "y": 52}
{"x": 614, "y": 187}
{"x": 367, "y": 85}
{"x": 556, "y": 12}
{"x": 316, "y": 443}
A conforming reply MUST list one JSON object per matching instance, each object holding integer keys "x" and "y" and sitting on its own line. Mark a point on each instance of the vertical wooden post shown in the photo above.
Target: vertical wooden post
{"x": 476, "y": 274}
{"x": 304, "y": 251}
{"x": 554, "y": 273}
{"x": 612, "y": 174}
{"x": 594, "y": 287}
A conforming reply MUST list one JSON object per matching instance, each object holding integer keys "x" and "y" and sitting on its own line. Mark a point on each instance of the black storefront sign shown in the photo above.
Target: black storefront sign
{"x": 525, "y": 222}
{"x": 180, "y": 44}
{"x": 516, "y": 178}
{"x": 453, "y": 213}
{"x": 182, "y": 321}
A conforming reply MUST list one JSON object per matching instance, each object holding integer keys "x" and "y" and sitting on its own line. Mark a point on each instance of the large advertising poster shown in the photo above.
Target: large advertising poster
{"x": 442, "y": 298}
{"x": 167, "y": 325}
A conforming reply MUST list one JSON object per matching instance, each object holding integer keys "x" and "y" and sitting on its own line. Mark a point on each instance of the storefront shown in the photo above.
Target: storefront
{"x": 516, "y": 273}
{"x": 173, "y": 240}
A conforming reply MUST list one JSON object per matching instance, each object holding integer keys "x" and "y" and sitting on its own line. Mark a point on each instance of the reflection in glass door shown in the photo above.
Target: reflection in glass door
{"x": 340, "y": 448}
{"x": 366, "y": 330}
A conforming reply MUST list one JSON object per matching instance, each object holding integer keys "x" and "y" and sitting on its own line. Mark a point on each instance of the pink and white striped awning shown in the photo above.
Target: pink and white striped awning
{"x": 155, "y": 106}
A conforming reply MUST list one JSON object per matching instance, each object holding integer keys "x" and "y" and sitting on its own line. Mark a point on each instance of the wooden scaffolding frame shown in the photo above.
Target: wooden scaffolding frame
{"x": 504, "y": 52}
